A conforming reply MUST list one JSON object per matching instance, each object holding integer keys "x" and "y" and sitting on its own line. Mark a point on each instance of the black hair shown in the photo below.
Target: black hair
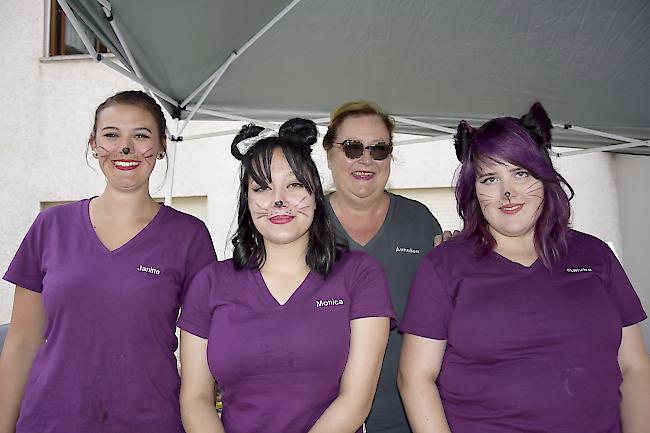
{"x": 295, "y": 138}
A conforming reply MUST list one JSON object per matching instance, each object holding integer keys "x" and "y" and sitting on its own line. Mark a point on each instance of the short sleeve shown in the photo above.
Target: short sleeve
{"x": 26, "y": 270}
{"x": 369, "y": 294}
{"x": 196, "y": 314}
{"x": 622, "y": 293}
{"x": 201, "y": 253}
{"x": 429, "y": 304}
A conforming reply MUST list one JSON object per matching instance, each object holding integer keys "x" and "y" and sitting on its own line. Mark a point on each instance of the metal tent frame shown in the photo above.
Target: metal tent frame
{"x": 193, "y": 103}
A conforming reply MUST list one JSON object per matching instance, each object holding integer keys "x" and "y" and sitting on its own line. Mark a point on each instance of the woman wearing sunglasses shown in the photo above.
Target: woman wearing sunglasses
{"x": 292, "y": 327}
{"x": 520, "y": 324}
{"x": 395, "y": 230}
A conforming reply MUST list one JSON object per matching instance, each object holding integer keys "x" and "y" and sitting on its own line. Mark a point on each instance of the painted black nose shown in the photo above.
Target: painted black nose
{"x": 278, "y": 203}
{"x": 126, "y": 150}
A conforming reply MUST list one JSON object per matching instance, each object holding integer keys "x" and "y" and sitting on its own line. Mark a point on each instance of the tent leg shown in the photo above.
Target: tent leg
{"x": 610, "y": 147}
{"x": 171, "y": 156}
{"x": 433, "y": 126}
{"x": 108, "y": 11}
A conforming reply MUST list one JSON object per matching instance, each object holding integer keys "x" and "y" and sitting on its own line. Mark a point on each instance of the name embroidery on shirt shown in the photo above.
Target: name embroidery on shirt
{"x": 149, "y": 270}
{"x": 407, "y": 250}
{"x": 574, "y": 270}
{"x": 328, "y": 302}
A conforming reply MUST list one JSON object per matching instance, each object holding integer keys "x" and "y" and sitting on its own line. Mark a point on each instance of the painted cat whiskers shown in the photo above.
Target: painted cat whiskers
{"x": 301, "y": 206}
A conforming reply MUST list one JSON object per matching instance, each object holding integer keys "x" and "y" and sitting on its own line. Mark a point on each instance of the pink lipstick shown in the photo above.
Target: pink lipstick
{"x": 281, "y": 219}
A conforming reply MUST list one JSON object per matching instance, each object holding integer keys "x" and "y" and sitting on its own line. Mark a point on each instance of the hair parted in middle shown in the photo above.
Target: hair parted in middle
{"x": 524, "y": 142}
{"x": 356, "y": 108}
{"x": 295, "y": 139}
{"x": 136, "y": 98}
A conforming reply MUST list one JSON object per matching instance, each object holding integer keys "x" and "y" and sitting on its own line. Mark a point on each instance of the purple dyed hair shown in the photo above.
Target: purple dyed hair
{"x": 524, "y": 142}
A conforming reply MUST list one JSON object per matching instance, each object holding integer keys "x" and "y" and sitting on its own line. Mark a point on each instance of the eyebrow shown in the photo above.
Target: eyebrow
{"x": 137, "y": 129}
{"x": 515, "y": 168}
{"x": 371, "y": 142}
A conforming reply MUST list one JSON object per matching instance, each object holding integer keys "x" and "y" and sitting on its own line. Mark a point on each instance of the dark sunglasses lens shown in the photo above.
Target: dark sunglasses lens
{"x": 380, "y": 151}
{"x": 353, "y": 149}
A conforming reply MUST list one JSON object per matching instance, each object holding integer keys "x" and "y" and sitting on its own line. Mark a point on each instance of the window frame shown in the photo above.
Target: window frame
{"x": 54, "y": 41}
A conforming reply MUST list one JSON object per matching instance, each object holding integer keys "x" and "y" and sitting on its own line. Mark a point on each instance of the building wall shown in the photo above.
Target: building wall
{"x": 47, "y": 112}
{"x": 633, "y": 182}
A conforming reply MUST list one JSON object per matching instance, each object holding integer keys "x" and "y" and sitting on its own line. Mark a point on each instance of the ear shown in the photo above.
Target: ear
{"x": 93, "y": 145}
{"x": 537, "y": 122}
{"x": 163, "y": 148}
{"x": 462, "y": 139}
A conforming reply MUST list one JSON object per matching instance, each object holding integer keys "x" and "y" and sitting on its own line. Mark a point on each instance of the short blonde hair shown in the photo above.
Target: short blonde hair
{"x": 355, "y": 108}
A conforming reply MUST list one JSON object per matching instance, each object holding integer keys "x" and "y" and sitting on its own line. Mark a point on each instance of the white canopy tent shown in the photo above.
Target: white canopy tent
{"x": 429, "y": 62}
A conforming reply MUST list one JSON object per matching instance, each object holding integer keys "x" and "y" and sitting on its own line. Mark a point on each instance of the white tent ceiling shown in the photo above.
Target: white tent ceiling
{"x": 433, "y": 61}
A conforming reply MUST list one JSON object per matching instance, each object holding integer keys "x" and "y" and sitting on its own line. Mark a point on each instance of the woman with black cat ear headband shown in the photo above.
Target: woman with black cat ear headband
{"x": 293, "y": 327}
{"x": 521, "y": 323}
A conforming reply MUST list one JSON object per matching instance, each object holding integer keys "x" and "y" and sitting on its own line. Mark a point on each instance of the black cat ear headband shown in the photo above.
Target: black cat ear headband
{"x": 536, "y": 121}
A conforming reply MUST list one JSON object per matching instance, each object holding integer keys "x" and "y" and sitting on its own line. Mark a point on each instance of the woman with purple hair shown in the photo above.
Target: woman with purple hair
{"x": 519, "y": 323}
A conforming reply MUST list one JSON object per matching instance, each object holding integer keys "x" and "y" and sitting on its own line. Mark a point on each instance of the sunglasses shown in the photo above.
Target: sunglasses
{"x": 354, "y": 149}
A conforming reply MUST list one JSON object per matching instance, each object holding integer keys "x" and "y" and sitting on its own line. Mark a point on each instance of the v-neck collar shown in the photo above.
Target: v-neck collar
{"x": 128, "y": 244}
{"x": 266, "y": 293}
{"x": 514, "y": 265}
{"x": 354, "y": 244}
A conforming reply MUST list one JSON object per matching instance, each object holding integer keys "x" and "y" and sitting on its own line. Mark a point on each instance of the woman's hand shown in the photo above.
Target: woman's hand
{"x": 444, "y": 237}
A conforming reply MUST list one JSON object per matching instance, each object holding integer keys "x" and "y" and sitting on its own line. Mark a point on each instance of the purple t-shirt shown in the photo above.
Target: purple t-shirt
{"x": 528, "y": 349}
{"x": 280, "y": 366}
{"x": 108, "y": 362}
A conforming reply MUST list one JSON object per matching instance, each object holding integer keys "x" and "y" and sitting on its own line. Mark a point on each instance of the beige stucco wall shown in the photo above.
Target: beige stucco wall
{"x": 633, "y": 185}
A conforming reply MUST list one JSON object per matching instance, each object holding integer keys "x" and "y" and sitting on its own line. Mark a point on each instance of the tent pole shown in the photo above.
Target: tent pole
{"x": 424, "y": 124}
{"x": 218, "y": 73}
{"x": 210, "y": 134}
{"x": 105, "y": 4}
{"x": 108, "y": 11}
{"x": 77, "y": 26}
{"x": 133, "y": 77}
{"x": 627, "y": 141}
{"x": 423, "y": 140}
{"x": 633, "y": 143}
{"x": 100, "y": 58}
{"x": 595, "y": 132}
{"x": 238, "y": 118}
{"x": 171, "y": 157}
{"x": 221, "y": 71}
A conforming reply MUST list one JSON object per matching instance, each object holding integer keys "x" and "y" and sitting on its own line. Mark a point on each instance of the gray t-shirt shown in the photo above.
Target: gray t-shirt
{"x": 403, "y": 239}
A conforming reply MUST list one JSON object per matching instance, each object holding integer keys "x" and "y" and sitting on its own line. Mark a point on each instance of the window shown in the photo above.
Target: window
{"x": 64, "y": 39}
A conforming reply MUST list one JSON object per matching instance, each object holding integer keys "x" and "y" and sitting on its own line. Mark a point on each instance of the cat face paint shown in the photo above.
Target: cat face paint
{"x": 511, "y": 199}
{"x": 126, "y": 145}
{"x": 282, "y": 211}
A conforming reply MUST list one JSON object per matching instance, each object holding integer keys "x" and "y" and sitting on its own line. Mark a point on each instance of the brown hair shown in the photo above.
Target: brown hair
{"x": 355, "y": 108}
{"x": 139, "y": 99}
